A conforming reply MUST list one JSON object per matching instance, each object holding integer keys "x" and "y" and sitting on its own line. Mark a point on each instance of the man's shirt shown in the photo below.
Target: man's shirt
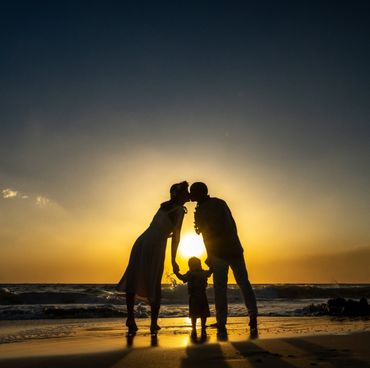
{"x": 214, "y": 220}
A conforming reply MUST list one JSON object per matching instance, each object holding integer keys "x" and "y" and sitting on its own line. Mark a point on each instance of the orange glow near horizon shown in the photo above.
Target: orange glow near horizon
{"x": 285, "y": 238}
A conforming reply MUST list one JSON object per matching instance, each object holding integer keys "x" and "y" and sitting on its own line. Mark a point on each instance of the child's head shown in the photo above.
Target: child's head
{"x": 194, "y": 264}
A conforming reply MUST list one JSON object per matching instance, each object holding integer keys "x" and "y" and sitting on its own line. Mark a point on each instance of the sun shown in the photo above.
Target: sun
{"x": 191, "y": 245}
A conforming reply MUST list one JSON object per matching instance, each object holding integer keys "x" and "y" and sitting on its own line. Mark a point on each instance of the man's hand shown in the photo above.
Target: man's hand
{"x": 208, "y": 262}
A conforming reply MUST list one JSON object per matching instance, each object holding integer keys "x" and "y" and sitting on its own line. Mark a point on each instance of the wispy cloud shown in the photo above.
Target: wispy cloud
{"x": 42, "y": 201}
{"x": 39, "y": 200}
{"x": 9, "y": 193}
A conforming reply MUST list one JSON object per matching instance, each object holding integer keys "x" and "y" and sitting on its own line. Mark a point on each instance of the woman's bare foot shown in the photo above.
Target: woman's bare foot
{"x": 131, "y": 324}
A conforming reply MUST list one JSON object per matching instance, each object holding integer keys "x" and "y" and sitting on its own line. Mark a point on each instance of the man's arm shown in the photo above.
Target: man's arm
{"x": 209, "y": 272}
{"x": 231, "y": 218}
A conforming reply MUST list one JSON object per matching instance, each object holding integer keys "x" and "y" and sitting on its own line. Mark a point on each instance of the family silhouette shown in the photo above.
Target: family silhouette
{"x": 213, "y": 219}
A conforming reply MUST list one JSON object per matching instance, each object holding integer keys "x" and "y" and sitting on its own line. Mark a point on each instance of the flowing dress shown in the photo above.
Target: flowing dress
{"x": 145, "y": 268}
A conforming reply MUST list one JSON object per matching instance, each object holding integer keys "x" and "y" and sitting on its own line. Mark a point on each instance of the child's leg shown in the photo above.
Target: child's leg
{"x": 193, "y": 323}
{"x": 194, "y": 328}
{"x": 204, "y": 321}
{"x": 204, "y": 333}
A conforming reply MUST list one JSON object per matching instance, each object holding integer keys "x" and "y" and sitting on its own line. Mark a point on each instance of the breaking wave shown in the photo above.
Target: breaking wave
{"x": 46, "y": 301}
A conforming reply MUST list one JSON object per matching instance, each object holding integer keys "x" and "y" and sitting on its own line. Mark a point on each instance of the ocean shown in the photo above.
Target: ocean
{"x": 59, "y": 301}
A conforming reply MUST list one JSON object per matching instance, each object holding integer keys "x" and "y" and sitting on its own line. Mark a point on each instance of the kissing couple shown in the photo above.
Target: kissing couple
{"x": 212, "y": 219}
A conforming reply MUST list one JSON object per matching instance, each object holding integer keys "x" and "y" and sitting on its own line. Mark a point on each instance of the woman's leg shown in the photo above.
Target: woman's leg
{"x": 154, "y": 309}
{"x": 130, "y": 303}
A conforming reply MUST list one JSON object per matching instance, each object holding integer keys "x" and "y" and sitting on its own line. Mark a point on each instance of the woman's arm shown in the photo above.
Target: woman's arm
{"x": 176, "y": 238}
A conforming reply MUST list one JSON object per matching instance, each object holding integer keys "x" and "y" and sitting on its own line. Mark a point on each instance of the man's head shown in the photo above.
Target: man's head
{"x": 198, "y": 192}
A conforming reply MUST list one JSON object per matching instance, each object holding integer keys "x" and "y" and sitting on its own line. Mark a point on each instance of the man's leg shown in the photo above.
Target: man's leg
{"x": 220, "y": 270}
{"x": 241, "y": 277}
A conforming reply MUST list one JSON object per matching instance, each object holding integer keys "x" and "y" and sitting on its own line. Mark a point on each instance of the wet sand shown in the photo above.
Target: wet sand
{"x": 282, "y": 342}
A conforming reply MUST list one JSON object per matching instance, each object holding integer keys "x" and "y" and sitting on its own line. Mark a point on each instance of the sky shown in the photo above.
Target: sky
{"x": 105, "y": 104}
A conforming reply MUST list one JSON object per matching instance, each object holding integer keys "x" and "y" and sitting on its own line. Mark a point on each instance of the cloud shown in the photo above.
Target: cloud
{"x": 9, "y": 193}
{"x": 42, "y": 201}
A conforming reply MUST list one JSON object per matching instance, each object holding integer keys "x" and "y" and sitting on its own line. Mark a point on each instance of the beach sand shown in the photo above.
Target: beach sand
{"x": 282, "y": 342}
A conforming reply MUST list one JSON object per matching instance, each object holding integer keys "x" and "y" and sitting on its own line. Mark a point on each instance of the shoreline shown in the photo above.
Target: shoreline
{"x": 102, "y": 343}
{"x": 18, "y": 331}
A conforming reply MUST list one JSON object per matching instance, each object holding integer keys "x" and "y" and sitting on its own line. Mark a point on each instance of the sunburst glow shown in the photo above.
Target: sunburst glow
{"x": 191, "y": 245}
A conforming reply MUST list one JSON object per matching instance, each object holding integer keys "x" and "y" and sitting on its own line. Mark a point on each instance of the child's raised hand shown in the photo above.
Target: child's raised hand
{"x": 180, "y": 277}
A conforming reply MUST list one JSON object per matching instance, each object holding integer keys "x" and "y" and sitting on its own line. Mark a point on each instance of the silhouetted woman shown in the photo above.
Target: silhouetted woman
{"x": 142, "y": 278}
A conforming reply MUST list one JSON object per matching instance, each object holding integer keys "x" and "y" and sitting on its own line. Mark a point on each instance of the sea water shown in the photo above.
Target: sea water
{"x": 58, "y": 301}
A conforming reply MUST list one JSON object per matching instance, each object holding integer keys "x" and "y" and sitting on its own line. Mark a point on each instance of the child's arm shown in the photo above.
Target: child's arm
{"x": 181, "y": 277}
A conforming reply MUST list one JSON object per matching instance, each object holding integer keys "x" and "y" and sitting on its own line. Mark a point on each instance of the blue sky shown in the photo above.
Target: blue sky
{"x": 105, "y": 104}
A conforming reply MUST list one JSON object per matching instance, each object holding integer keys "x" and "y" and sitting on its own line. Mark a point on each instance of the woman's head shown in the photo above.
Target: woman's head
{"x": 179, "y": 192}
{"x": 194, "y": 264}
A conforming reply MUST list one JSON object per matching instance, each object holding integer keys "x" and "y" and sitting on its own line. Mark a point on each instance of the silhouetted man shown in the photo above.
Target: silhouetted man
{"x": 214, "y": 220}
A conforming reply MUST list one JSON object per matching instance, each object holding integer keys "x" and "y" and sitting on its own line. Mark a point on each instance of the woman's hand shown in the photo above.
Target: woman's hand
{"x": 175, "y": 267}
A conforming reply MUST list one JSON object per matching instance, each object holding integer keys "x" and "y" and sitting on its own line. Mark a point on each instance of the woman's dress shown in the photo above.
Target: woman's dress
{"x": 145, "y": 268}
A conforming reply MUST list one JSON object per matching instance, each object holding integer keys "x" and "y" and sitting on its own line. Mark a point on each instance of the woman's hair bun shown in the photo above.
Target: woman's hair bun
{"x": 178, "y": 188}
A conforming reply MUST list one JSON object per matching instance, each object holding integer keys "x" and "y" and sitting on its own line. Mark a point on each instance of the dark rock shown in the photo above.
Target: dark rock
{"x": 349, "y": 307}
{"x": 340, "y": 307}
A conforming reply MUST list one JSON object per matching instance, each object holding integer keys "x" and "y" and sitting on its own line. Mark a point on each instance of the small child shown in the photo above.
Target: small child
{"x": 196, "y": 278}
